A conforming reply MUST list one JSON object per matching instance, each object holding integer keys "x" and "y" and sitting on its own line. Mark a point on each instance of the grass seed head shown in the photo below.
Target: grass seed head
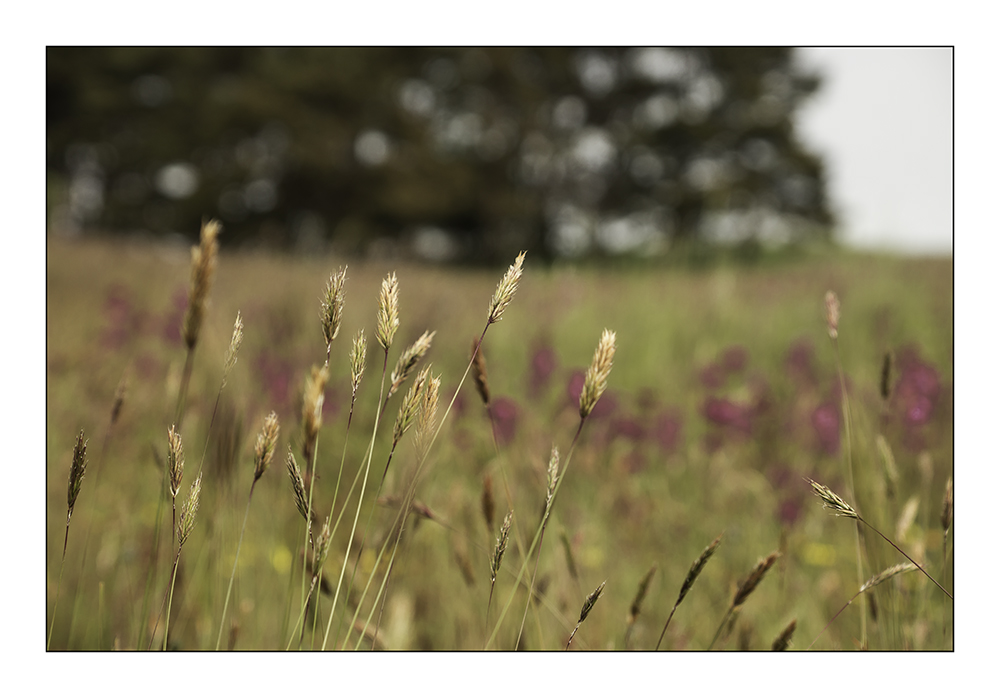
{"x": 410, "y": 405}
{"x": 783, "y": 640}
{"x": 332, "y": 307}
{"x": 501, "y": 546}
{"x": 588, "y": 605}
{"x": 427, "y": 415}
{"x": 832, "y": 313}
{"x": 750, "y": 582}
{"x": 832, "y": 502}
{"x": 263, "y": 450}
{"x": 947, "y": 507}
{"x": 479, "y": 372}
{"x": 175, "y": 460}
{"x": 298, "y": 487}
{"x": 116, "y": 407}
{"x": 596, "y": 380}
{"x": 552, "y": 477}
{"x": 885, "y": 574}
{"x": 76, "y": 471}
{"x": 359, "y": 348}
{"x": 505, "y": 290}
{"x": 696, "y": 568}
{"x": 640, "y": 596}
{"x": 407, "y": 360}
{"x": 185, "y": 523}
{"x": 203, "y": 262}
{"x": 312, "y": 406}
{"x": 885, "y": 384}
{"x": 234, "y": 347}
{"x": 387, "y": 318}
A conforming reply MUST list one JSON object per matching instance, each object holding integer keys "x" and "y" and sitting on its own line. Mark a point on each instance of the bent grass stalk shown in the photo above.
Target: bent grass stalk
{"x": 267, "y": 440}
{"x": 692, "y": 575}
{"x": 882, "y": 576}
{"x": 839, "y": 507}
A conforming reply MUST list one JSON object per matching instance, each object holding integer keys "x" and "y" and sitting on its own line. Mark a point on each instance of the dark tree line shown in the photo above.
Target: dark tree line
{"x": 462, "y": 154}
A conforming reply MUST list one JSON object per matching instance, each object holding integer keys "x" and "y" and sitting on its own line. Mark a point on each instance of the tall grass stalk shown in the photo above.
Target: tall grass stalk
{"x": 267, "y": 440}
{"x": 184, "y": 527}
{"x": 744, "y": 589}
{"x": 832, "y": 325}
{"x": 692, "y": 575}
{"x": 77, "y": 469}
{"x": 839, "y": 507}
{"x": 588, "y": 606}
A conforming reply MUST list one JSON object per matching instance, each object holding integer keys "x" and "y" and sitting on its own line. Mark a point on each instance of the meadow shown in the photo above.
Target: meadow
{"x": 688, "y": 477}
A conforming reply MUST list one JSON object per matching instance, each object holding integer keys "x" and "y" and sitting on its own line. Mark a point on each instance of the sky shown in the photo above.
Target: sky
{"x": 883, "y": 122}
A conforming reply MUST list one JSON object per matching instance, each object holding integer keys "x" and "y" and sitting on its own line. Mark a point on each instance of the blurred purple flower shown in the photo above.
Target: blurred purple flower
{"x": 728, "y": 414}
{"x": 543, "y": 363}
{"x": 918, "y": 388}
{"x": 667, "y": 429}
{"x": 734, "y": 359}
{"x": 712, "y": 376}
{"x": 826, "y": 425}
{"x": 799, "y": 362}
{"x": 629, "y": 428}
{"x": 504, "y": 412}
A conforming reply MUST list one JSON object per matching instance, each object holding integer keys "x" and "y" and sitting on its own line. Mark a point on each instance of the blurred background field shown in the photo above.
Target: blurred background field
{"x": 723, "y": 397}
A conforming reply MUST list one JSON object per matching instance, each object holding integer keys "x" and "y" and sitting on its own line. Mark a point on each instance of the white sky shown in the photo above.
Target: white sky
{"x": 883, "y": 122}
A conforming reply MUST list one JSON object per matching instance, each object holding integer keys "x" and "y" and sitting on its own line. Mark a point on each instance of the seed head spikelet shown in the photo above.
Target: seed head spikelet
{"x": 479, "y": 372}
{"x": 234, "y": 347}
{"x": 588, "y": 605}
{"x": 427, "y": 415}
{"x": 640, "y": 596}
{"x": 696, "y": 568}
{"x": 407, "y": 360}
{"x": 885, "y": 384}
{"x": 885, "y": 574}
{"x": 596, "y": 380}
{"x": 501, "y": 547}
{"x": 783, "y": 640}
{"x": 387, "y": 318}
{"x": 359, "y": 348}
{"x": 750, "y": 582}
{"x": 263, "y": 450}
{"x": 175, "y": 460}
{"x": 552, "y": 477}
{"x": 298, "y": 487}
{"x": 947, "y": 508}
{"x": 505, "y": 290}
{"x": 185, "y": 524}
{"x": 332, "y": 308}
{"x": 410, "y": 405}
{"x": 832, "y": 502}
{"x": 76, "y": 472}
{"x": 832, "y": 313}
{"x": 312, "y": 410}
{"x": 203, "y": 262}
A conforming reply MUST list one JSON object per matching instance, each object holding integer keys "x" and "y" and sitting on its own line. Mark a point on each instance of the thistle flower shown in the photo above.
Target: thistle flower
{"x": 505, "y": 290}
{"x": 203, "y": 262}
{"x": 333, "y": 305}
{"x": 407, "y": 360}
{"x": 263, "y": 450}
{"x": 387, "y": 319}
{"x": 596, "y": 380}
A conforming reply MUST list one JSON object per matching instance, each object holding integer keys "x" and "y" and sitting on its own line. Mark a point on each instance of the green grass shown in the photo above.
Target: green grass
{"x": 625, "y": 505}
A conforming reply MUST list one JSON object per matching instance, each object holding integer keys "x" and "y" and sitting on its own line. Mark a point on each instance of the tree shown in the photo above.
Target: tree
{"x": 463, "y": 154}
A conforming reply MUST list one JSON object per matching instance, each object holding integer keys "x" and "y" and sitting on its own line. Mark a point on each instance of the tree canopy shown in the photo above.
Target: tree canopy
{"x": 460, "y": 154}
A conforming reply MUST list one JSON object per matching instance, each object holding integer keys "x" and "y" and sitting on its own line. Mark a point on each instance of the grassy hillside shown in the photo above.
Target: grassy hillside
{"x": 723, "y": 398}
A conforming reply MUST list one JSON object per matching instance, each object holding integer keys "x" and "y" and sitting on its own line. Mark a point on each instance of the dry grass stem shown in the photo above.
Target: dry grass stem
{"x": 203, "y": 262}
{"x": 832, "y": 313}
{"x": 833, "y": 502}
{"x": 947, "y": 508}
{"x": 782, "y": 642}
{"x": 332, "y": 306}
{"x": 234, "y": 348}
{"x": 387, "y": 319}
{"x": 407, "y": 360}
{"x": 479, "y": 372}
{"x": 263, "y": 450}
{"x": 596, "y": 380}
{"x": 505, "y": 290}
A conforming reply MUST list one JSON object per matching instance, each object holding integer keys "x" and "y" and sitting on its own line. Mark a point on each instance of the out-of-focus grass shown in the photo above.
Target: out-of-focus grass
{"x": 722, "y": 393}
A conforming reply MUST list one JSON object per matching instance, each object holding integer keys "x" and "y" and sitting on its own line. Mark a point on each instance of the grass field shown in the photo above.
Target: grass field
{"x": 724, "y": 399}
